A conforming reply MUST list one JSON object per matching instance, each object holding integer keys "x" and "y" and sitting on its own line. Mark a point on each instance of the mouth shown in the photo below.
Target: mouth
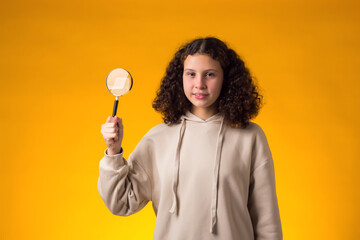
{"x": 200, "y": 95}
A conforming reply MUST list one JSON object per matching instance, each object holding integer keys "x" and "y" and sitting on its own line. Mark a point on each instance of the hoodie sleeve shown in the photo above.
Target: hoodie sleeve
{"x": 125, "y": 187}
{"x": 263, "y": 205}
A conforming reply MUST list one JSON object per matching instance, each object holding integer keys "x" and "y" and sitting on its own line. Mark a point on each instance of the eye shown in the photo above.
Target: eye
{"x": 210, "y": 74}
{"x": 191, "y": 74}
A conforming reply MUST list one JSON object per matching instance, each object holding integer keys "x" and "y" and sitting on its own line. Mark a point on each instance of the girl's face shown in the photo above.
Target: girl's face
{"x": 202, "y": 82}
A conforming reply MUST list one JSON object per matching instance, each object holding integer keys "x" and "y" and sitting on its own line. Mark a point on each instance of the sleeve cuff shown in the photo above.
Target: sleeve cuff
{"x": 113, "y": 161}
{"x": 121, "y": 151}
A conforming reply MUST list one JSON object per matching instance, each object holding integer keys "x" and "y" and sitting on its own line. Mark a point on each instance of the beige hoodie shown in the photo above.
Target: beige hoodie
{"x": 205, "y": 179}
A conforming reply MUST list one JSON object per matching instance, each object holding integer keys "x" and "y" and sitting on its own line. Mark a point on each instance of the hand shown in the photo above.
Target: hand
{"x": 112, "y": 131}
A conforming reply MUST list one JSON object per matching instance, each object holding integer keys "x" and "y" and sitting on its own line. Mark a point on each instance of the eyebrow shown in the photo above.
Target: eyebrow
{"x": 210, "y": 69}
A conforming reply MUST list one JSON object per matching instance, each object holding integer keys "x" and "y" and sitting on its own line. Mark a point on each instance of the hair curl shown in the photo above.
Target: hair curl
{"x": 239, "y": 99}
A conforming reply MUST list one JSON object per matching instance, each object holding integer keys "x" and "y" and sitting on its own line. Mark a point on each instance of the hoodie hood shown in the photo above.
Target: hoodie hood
{"x": 191, "y": 117}
{"x": 214, "y": 195}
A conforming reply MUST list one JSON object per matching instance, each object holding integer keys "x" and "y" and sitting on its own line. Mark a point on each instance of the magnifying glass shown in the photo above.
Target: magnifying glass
{"x": 118, "y": 82}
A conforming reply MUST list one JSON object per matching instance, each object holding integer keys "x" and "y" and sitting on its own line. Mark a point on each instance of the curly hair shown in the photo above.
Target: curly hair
{"x": 239, "y": 99}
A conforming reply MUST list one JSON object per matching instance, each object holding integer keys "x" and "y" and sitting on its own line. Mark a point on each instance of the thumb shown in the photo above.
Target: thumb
{"x": 109, "y": 120}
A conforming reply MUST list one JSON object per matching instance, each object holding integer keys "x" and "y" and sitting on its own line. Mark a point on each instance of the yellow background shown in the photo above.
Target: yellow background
{"x": 55, "y": 56}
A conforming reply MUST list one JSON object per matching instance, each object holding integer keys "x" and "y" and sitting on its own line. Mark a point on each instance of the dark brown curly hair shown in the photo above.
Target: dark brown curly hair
{"x": 239, "y": 99}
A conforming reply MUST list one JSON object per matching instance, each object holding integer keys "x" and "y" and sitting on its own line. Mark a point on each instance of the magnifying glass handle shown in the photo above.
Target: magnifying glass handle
{"x": 115, "y": 106}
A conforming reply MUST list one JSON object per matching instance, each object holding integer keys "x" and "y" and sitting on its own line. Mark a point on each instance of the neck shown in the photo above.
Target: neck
{"x": 204, "y": 113}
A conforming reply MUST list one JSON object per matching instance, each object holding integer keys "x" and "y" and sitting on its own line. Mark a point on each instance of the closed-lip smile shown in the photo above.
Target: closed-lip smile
{"x": 200, "y": 95}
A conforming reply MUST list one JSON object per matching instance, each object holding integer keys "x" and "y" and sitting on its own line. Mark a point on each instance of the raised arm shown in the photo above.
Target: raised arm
{"x": 125, "y": 187}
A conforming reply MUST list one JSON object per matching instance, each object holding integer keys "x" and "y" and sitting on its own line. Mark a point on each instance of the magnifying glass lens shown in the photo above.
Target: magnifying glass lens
{"x": 118, "y": 82}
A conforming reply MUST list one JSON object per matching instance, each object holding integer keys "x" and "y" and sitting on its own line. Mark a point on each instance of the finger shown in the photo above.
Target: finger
{"x": 112, "y": 124}
{"x": 108, "y": 130}
{"x": 108, "y": 125}
{"x": 109, "y": 136}
{"x": 111, "y": 120}
{"x": 120, "y": 124}
{"x": 118, "y": 120}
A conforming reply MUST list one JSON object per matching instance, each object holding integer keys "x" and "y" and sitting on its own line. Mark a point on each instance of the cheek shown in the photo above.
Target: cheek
{"x": 220, "y": 84}
{"x": 186, "y": 86}
{"x": 216, "y": 87}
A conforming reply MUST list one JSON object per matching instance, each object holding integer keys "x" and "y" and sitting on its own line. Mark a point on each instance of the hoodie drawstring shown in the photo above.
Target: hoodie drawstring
{"x": 173, "y": 208}
{"x": 216, "y": 177}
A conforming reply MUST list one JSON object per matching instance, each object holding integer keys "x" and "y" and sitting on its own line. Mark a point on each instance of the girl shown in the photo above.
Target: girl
{"x": 207, "y": 169}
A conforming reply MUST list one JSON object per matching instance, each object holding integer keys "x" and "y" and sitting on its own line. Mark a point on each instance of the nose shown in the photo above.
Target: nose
{"x": 200, "y": 82}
